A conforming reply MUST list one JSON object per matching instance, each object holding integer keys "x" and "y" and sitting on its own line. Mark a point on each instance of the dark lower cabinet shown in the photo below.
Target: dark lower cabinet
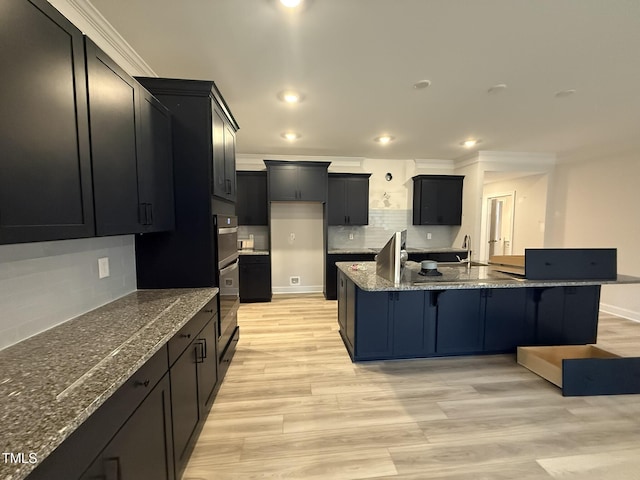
{"x": 45, "y": 165}
{"x": 193, "y": 379}
{"x": 460, "y": 323}
{"x": 148, "y": 427}
{"x": 506, "y": 324}
{"x": 566, "y": 315}
{"x": 372, "y": 337}
{"x": 142, "y": 447}
{"x": 255, "y": 278}
{"x": 414, "y": 324}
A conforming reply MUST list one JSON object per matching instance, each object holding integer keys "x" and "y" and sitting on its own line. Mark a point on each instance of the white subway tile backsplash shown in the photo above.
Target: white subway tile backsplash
{"x": 382, "y": 223}
{"x": 47, "y": 283}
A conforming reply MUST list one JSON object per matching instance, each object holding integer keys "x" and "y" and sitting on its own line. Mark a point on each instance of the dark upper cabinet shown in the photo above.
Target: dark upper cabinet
{"x": 113, "y": 96}
{"x": 224, "y": 156}
{"x": 252, "y": 203}
{"x": 437, "y": 199}
{"x": 155, "y": 165}
{"x": 297, "y": 181}
{"x": 348, "y": 199}
{"x": 130, "y": 151}
{"x": 45, "y": 166}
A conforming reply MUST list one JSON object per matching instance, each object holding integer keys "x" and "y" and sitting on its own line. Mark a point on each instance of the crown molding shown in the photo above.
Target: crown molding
{"x": 92, "y": 23}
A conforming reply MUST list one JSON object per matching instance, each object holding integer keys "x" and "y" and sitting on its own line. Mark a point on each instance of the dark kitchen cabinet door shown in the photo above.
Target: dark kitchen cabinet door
{"x": 437, "y": 199}
{"x": 142, "y": 448}
{"x": 155, "y": 165}
{"x": 207, "y": 364}
{"x": 549, "y": 315}
{"x": 255, "y": 278}
{"x": 348, "y": 199}
{"x": 184, "y": 403}
{"x": 505, "y": 320}
{"x": 374, "y": 325}
{"x": 112, "y": 106}
{"x": 460, "y": 326}
{"x": 413, "y": 324}
{"x": 45, "y": 165}
{"x": 224, "y": 156}
{"x": 297, "y": 181}
{"x": 580, "y": 323}
{"x": 252, "y": 203}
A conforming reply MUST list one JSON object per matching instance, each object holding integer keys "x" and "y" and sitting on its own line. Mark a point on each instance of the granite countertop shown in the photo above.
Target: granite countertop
{"x": 52, "y": 382}
{"x": 357, "y": 250}
{"x": 253, "y": 252}
{"x": 454, "y": 276}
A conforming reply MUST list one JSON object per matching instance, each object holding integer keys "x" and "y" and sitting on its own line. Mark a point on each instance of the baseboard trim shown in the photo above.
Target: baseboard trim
{"x": 298, "y": 289}
{"x": 620, "y": 312}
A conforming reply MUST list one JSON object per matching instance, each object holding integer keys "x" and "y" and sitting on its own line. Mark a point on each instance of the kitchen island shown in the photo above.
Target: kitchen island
{"x": 466, "y": 311}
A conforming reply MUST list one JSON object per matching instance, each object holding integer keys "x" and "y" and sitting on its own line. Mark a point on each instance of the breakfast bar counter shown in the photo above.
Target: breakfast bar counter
{"x": 465, "y": 311}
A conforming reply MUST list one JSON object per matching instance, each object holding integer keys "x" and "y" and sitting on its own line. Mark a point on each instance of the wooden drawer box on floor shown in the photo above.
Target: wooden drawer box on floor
{"x": 583, "y": 369}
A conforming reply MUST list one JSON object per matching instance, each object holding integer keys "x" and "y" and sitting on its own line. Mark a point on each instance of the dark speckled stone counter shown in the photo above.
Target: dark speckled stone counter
{"x": 454, "y": 276}
{"x": 51, "y": 383}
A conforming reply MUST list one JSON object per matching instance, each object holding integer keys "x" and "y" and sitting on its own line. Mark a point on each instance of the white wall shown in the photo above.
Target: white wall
{"x": 297, "y": 246}
{"x": 529, "y": 212}
{"x": 595, "y": 204}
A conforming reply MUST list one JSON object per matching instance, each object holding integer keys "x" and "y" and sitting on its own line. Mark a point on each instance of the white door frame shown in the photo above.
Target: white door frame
{"x": 486, "y": 224}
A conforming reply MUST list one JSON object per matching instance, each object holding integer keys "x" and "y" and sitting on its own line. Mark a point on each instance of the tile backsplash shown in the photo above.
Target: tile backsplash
{"x": 46, "y": 283}
{"x": 382, "y": 224}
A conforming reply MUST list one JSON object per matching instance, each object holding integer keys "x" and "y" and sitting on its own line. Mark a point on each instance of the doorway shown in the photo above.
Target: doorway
{"x": 499, "y": 220}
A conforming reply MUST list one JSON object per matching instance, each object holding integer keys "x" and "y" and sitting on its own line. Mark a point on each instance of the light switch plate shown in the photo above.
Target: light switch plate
{"x": 103, "y": 267}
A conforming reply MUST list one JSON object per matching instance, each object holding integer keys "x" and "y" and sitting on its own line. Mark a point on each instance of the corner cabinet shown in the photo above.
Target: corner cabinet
{"x": 252, "y": 203}
{"x": 297, "y": 181}
{"x": 348, "y": 200}
{"x": 45, "y": 168}
{"x": 437, "y": 199}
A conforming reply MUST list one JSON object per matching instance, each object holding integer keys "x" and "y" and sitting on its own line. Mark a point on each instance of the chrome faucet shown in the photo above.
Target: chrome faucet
{"x": 466, "y": 243}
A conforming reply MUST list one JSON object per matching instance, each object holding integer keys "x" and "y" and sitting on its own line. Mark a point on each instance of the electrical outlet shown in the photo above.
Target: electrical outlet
{"x": 351, "y": 236}
{"x": 103, "y": 267}
{"x": 294, "y": 280}
{"x": 429, "y": 236}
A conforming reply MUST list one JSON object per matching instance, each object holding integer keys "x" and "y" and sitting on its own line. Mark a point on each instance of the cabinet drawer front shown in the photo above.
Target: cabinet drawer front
{"x": 189, "y": 332}
{"x": 251, "y": 259}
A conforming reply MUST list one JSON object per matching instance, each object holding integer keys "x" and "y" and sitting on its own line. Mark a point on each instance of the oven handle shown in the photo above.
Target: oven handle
{"x": 225, "y": 230}
{"x": 227, "y": 261}
{"x": 230, "y": 268}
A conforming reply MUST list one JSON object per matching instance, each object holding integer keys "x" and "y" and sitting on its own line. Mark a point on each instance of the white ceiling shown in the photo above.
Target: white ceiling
{"x": 357, "y": 60}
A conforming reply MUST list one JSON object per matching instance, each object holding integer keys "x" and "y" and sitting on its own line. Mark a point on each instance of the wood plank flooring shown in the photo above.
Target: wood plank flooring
{"x": 293, "y": 406}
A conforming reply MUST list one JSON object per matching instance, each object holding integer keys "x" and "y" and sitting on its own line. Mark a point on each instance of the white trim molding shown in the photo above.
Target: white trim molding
{"x": 92, "y": 23}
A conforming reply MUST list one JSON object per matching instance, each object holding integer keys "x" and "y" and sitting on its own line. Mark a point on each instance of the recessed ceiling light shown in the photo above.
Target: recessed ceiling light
{"x": 290, "y": 96}
{"x": 500, "y": 87}
{"x": 291, "y": 136}
{"x": 291, "y": 3}
{"x": 470, "y": 143}
{"x": 384, "y": 139}
{"x": 422, "y": 84}
{"x": 564, "y": 93}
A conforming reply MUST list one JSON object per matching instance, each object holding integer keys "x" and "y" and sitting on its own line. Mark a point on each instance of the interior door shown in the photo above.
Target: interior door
{"x": 500, "y": 239}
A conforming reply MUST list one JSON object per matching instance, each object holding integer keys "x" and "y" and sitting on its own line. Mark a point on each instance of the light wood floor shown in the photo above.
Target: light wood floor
{"x": 293, "y": 406}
